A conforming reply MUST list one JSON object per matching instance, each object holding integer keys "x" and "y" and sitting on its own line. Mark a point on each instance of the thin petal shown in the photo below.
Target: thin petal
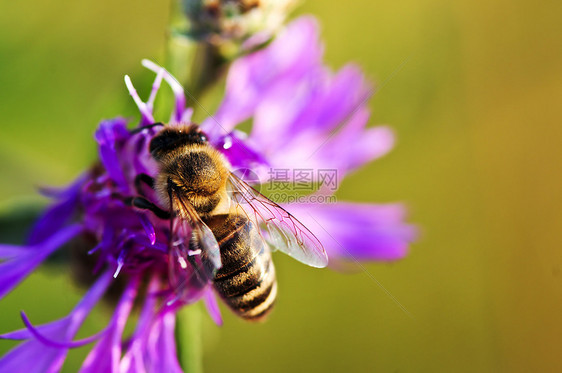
{"x": 152, "y": 347}
{"x": 34, "y": 357}
{"x": 58, "y": 214}
{"x": 109, "y": 134}
{"x": 212, "y": 306}
{"x": 10, "y": 251}
{"x": 35, "y": 332}
{"x": 145, "y": 110}
{"x": 52, "y": 220}
{"x": 155, "y": 89}
{"x": 179, "y": 93}
{"x": 372, "y": 144}
{"x": 51, "y": 328}
{"x": 148, "y": 228}
{"x": 105, "y": 356}
{"x": 161, "y": 349}
{"x": 133, "y": 360}
{"x": 13, "y": 271}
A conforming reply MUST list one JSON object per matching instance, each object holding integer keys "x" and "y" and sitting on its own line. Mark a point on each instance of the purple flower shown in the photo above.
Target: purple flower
{"x": 305, "y": 118}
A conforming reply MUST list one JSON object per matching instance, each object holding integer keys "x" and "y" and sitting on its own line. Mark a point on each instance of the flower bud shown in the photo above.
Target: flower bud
{"x": 223, "y": 21}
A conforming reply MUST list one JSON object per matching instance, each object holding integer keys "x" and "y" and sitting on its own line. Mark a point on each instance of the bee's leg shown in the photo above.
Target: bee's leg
{"x": 143, "y": 203}
{"x": 143, "y": 178}
{"x": 140, "y": 129}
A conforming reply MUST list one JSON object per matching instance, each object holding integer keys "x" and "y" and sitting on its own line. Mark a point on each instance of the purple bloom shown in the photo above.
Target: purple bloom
{"x": 305, "y": 117}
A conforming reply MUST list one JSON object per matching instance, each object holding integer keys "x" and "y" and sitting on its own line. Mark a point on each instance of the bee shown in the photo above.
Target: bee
{"x": 221, "y": 227}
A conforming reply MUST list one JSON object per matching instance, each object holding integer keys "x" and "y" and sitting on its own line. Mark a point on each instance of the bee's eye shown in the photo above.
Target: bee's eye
{"x": 169, "y": 139}
{"x": 166, "y": 141}
{"x": 198, "y": 137}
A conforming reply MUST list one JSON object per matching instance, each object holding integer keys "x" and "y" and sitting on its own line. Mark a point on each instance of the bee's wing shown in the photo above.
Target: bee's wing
{"x": 186, "y": 275}
{"x": 194, "y": 251}
{"x": 284, "y": 231}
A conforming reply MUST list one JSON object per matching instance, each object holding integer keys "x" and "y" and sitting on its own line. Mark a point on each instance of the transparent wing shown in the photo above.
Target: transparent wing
{"x": 186, "y": 276}
{"x": 283, "y": 231}
{"x": 194, "y": 251}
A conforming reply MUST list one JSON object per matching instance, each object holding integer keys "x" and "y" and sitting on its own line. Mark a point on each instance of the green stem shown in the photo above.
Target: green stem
{"x": 195, "y": 68}
{"x": 188, "y": 339}
{"x": 180, "y": 56}
{"x": 196, "y": 64}
{"x": 208, "y": 67}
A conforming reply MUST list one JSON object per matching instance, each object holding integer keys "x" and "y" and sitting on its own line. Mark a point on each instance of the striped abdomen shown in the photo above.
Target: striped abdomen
{"x": 246, "y": 281}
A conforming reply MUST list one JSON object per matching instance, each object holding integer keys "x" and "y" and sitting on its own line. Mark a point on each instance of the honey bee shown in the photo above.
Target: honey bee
{"x": 221, "y": 227}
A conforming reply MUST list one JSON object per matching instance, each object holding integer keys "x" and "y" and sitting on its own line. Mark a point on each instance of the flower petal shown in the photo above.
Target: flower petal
{"x": 152, "y": 346}
{"x": 33, "y": 357}
{"x": 10, "y": 251}
{"x": 58, "y": 214}
{"x": 352, "y": 231}
{"x": 37, "y": 334}
{"x": 133, "y": 359}
{"x": 15, "y": 269}
{"x": 312, "y": 125}
{"x": 294, "y": 53}
{"x": 52, "y": 328}
{"x": 105, "y": 356}
{"x": 361, "y": 146}
{"x": 179, "y": 94}
{"x": 212, "y": 306}
{"x": 242, "y": 157}
{"x": 161, "y": 349}
{"x": 109, "y": 134}
{"x": 148, "y": 227}
{"x": 145, "y": 110}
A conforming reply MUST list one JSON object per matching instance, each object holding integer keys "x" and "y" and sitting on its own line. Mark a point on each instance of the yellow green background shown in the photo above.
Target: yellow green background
{"x": 473, "y": 90}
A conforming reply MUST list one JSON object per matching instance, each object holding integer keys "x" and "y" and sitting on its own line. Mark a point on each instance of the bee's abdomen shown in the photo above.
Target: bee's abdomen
{"x": 251, "y": 292}
{"x": 246, "y": 281}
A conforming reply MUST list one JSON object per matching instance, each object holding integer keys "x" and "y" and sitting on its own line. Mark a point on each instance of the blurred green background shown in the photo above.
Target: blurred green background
{"x": 473, "y": 92}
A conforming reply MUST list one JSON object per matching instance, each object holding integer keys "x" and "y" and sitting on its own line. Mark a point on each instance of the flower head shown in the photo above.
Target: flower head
{"x": 305, "y": 118}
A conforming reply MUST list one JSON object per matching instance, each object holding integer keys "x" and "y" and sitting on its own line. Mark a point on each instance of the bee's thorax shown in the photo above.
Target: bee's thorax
{"x": 198, "y": 173}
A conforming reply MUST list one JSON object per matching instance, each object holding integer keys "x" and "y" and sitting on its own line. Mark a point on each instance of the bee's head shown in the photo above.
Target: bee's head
{"x": 172, "y": 138}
